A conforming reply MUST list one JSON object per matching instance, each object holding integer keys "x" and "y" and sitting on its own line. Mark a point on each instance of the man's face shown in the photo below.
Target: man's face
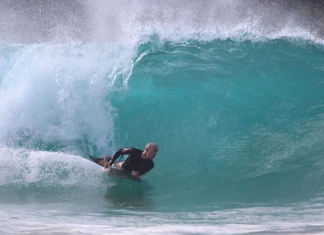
{"x": 152, "y": 151}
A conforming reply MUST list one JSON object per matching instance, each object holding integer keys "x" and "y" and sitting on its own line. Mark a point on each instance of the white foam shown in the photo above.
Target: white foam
{"x": 263, "y": 220}
{"x": 58, "y": 93}
{"x": 23, "y": 167}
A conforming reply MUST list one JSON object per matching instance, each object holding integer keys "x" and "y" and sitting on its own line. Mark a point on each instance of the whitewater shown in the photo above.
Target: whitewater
{"x": 231, "y": 91}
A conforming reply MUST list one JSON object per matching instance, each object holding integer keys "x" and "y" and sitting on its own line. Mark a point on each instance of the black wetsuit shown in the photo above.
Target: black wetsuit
{"x": 134, "y": 162}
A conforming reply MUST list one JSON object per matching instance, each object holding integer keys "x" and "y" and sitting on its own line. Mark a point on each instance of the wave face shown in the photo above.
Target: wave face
{"x": 235, "y": 120}
{"x": 232, "y": 92}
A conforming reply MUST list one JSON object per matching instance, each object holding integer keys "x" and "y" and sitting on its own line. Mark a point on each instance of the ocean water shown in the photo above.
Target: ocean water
{"x": 231, "y": 91}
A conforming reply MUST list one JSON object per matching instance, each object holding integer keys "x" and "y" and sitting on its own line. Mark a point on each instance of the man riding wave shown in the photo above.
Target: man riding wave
{"x": 138, "y": 161}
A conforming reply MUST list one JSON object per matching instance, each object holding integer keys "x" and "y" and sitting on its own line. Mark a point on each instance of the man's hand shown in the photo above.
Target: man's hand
{"x": 135, "y": 174}
{"x": 107, "y": 164}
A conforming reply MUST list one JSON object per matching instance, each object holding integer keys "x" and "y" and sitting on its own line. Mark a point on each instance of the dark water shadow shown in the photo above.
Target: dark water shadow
{"x": 130, "y": 195}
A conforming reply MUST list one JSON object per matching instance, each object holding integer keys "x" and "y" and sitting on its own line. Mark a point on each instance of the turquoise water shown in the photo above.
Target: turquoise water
{"x": 238, "y": 114}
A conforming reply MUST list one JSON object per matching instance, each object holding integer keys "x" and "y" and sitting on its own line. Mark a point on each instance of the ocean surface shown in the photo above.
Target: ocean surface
{"x": 231, "y": 91}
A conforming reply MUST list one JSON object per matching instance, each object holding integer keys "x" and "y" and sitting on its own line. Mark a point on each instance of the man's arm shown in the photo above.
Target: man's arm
{"x": 118, "y": 153}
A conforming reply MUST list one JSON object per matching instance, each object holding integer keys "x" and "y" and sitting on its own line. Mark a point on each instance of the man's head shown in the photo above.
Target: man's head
{"x": 150, "y": 151}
